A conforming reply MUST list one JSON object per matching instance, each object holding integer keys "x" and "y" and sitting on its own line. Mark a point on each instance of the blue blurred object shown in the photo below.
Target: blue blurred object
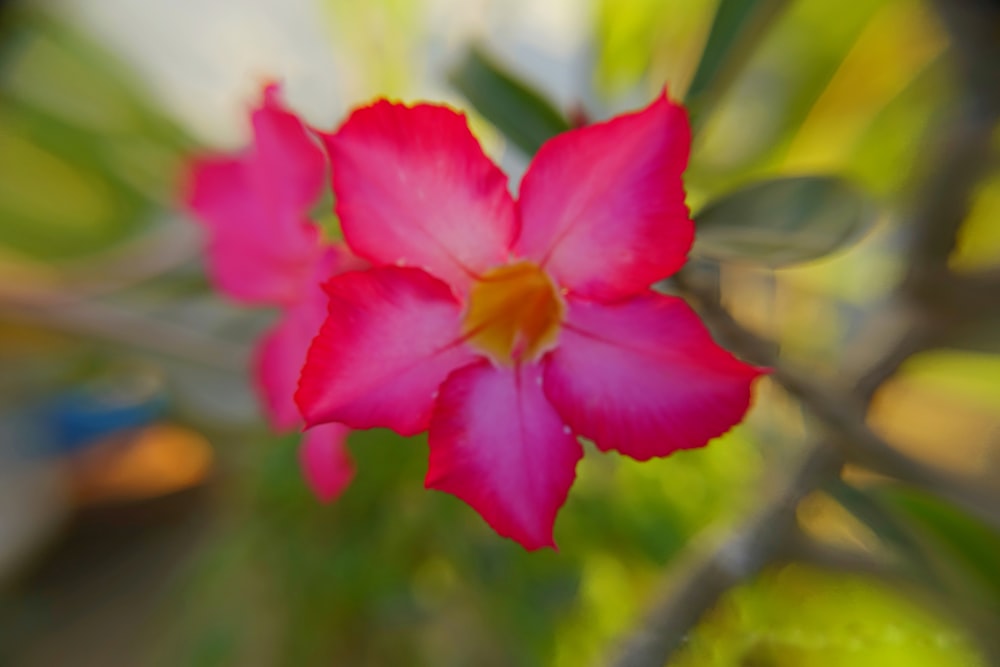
{"x": 116, "y": 401}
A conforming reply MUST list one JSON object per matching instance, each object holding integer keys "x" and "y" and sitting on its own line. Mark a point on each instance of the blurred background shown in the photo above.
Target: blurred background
{"x": 148, "y": 516}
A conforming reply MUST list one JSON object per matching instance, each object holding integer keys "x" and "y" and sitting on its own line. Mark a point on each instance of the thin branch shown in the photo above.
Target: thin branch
{"x": 803, "y": 549}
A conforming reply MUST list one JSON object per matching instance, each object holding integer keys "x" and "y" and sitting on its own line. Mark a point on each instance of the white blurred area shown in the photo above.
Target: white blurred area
{"x": 205, "y": 60}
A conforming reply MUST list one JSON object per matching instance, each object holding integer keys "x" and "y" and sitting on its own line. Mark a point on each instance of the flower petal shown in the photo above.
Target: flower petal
{"x": 391, "y": 337}
{"x": 602, "y": 207}
{"x": 497, "y": 443}
{"x": 325, "y": 464}
{"x": 279, "y": 359}
{"x": 282, "y": 352}
{"x": 644, "y": 377}
{"x": 414, "y": 187}
{"x": 261, "y": 245}
{"x": 290, "y": 167}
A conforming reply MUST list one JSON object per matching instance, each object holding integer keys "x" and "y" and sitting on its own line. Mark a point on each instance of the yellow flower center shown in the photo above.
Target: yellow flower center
{"x": 514, "y": 312}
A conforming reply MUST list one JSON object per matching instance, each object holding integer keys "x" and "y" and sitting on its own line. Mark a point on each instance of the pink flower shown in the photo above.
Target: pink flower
{"x": 264, "y": 250}
{"x": 511, "y": 329}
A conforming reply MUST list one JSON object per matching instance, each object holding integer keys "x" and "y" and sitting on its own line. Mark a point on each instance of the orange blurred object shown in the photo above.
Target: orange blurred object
{"x": 154, "y": 461}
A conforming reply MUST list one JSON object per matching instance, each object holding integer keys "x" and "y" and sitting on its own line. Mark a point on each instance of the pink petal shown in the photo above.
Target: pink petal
{"x": 413, "y": 187}
{"x": 602, "y": 207}
{"x": 289, "y": 166}
{"x": 325, "y": 464}
{"x": 496, "y": 443}
{"x": 391, "y": 337}
{"x": 282, "y": 352}
{"x": 644, "y": 377}
{"x": 261, "y": 245}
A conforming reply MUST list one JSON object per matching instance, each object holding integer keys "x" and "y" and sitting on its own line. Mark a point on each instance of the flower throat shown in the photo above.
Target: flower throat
{"x": 514, "y": 312}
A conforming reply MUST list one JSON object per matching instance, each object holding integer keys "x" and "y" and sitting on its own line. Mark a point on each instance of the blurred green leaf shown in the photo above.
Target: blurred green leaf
{"x": 975, "y": 546}
{"x": 523, "y": 115}
{"x": 784, "y": 221}
{"x": 73, "y": 122}
{"x": 647, "y": 41}
{"x": 738, "y": 27}
{"x": 889, "y": 139}
{"x": 872, "y": 512}
{"x": 799, "y": 615}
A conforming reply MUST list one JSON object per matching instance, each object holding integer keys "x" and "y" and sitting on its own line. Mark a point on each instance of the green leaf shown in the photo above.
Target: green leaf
{"x": 970, "y": 542}
{"x": 523, "y": 115}
{"x": 873, "y": 512}
{"x": 738, "y": 27}
{"x": 784, "y": 221}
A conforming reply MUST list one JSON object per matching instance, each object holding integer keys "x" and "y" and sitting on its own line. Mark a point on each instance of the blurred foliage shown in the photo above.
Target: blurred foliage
{"x": 784, "y": 221}
{"x": 737, "y": 28}
{"x": 979, "y": 240}
{"x": 394, "y": 575}
{"x": 384, "y": 39}
{"x": 966, "y": 541}
{"x": 522, "y": 114}
{"x": 83, "y": 155}
{"x": 802, "y": 616}
{"x": 649, "y": 40}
